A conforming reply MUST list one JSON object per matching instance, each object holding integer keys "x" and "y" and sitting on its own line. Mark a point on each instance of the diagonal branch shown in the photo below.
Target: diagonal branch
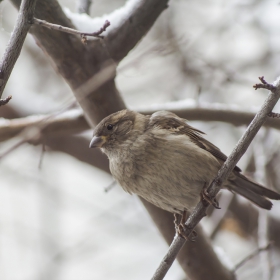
{"x": 15, "y": 44}
{"x": 200, "y": 210}
{"x": 137, "y": 19}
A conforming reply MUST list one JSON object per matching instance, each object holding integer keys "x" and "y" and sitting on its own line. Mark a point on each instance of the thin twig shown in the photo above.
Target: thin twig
{"x": 61, "y": 28}
{"x": 264, "y": 85}
{"x": 274, "y": 115}
{"x": 17, "y": 39}
{"x": 251, "y": 256}
{"x": 200, "y": 210}
{"x": 5, "y": 101}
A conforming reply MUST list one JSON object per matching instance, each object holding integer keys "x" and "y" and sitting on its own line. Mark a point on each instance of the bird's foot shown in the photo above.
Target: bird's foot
{"x": 181, "y": 228}
{"x": 206, "y": 199}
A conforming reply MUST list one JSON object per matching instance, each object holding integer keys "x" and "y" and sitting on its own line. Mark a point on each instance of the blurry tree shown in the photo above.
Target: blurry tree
{"x": 89, "y": 66}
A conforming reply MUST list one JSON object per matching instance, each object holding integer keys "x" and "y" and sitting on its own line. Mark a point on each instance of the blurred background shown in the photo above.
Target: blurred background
{"x": 59, "y": 220}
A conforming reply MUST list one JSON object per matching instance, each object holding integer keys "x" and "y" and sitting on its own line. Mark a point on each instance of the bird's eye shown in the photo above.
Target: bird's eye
{"x": 110, "y": 126}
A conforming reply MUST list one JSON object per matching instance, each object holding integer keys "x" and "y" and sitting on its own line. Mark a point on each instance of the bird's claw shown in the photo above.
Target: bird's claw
{"x": 181, "y": 228}
{"x": 206, "y": 199}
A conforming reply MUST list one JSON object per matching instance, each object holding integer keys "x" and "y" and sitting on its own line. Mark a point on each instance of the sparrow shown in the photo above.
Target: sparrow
{"x": 163, "y": 159}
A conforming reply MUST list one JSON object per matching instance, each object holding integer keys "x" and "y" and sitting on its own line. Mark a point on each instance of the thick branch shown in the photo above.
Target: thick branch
{"x": 74, "y": 122}
{"x": 15, "y": 44}
{"x": 138, "y": 19}
{"x": 200, "y": 210}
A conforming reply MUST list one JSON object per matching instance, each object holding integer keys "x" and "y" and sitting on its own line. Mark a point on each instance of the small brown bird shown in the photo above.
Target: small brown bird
{"x": 166, "y": 161}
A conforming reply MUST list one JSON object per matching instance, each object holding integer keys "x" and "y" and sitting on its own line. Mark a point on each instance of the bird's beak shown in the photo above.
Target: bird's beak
{"x": 97, "y": 141}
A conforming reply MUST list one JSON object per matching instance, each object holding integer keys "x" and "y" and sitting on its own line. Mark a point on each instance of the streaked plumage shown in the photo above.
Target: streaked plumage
{"x": 166, "y": 161}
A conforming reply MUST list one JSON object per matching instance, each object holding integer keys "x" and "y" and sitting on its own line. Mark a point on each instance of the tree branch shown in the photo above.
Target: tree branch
{"x": 129, "y": 24}
{"x": 15, "y": 44}
{"x": 73, "y": 121}
{"x": 200, "y": 210}
{"x": 137, "y": 19}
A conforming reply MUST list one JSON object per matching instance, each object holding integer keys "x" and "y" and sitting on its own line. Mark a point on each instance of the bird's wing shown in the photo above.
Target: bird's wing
{"x": 175, "y": 125}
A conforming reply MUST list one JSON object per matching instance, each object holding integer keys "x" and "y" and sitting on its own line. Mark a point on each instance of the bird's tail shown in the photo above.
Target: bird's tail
{"x": 253, "y": 191}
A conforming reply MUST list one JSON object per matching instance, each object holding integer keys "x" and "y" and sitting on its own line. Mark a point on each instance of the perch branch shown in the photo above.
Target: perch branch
{"x": 137, "y": 19}
{"x": 200, "y": 210}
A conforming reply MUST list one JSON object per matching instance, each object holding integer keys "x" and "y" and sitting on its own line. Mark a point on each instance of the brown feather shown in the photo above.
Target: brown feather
{"x": 169, "y": 121}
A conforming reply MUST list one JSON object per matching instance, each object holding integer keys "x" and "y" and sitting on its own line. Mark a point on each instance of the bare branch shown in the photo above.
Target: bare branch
{"x": 64, "y": 122}
{"x": 200, "y": 210}
{"x": 84, "y": 6}
{"x": 61, "y": 28}
{"x": 274, "y": 115}
{"x": 76, "y": 123}
{"x": 5, "y": 101}
{"x": 15, "y": 44}
{"x": 264, "y": 85}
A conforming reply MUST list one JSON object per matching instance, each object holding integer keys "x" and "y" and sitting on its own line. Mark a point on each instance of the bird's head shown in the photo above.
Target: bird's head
{"x": 115, "y": 130}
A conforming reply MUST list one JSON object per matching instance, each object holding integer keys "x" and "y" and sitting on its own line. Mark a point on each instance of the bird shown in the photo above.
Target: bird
{"x": 169, "y": 163}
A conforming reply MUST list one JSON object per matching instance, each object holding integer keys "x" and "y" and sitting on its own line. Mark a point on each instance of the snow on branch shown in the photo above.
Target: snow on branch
{"x": 128, "y": 24}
